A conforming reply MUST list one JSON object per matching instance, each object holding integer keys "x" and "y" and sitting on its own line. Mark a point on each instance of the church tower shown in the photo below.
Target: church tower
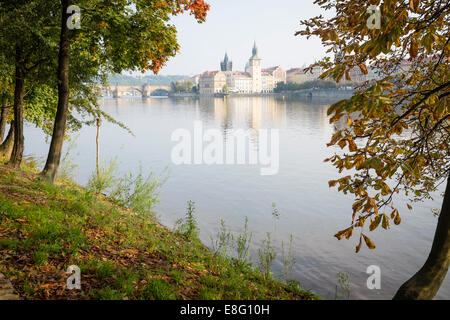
{"x": 226, "y": 64}
{"x": 254, "y": 68}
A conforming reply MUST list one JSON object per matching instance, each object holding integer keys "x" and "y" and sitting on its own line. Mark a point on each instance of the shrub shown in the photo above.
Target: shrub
{"x": 188, "y": 226}
{"x": 266, "y": 256}
{"x": 137, "y": 192}
{"x": 104, "y": 179}
{"x": 223, "y": 241}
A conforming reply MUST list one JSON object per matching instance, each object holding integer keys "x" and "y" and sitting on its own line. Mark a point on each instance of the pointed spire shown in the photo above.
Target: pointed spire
{"x": 226, "y": 64}
{"x": 255, "y": 49}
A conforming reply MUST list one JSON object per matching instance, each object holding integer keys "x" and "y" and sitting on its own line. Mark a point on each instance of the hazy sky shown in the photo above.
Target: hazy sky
{"x": 233, "y": 25}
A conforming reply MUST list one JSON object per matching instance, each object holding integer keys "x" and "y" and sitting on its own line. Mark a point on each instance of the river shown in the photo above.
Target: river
{"x": 308, "y": 209}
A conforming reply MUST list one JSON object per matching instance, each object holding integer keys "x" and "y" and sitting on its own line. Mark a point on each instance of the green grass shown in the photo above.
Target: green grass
{"x": 122, "y": 255}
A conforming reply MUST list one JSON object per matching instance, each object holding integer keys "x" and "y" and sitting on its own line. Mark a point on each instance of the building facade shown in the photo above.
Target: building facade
{"x": 270, "y": 78}
{"x": 212, "y": 82}
{"x": 254, "y": 79}
{"x": 296, "y": 75}
{"x": 299, "y": 75}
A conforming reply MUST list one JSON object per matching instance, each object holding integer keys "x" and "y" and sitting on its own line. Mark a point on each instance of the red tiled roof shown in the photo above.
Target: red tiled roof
{"x": 209, "y": 74}
{"x": 242, "y": 74}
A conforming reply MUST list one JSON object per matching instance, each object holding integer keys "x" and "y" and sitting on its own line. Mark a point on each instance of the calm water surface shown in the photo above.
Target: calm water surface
{"x": 309, "y": 210}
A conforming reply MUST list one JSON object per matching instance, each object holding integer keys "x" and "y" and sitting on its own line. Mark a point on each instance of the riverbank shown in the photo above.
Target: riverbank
{"x": 44, "y": 229}
{"x": 329, "y": 93}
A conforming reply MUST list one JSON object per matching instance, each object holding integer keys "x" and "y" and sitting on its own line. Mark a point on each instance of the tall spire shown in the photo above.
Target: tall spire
{"x": 254, "y": 52}
{"x": 255, "y": 49}
{"x": 226, "y": 64}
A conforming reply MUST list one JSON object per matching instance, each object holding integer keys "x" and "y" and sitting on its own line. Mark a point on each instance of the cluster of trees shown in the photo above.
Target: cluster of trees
{"x": 183, "y": 86}
{"x": 53, "y": 55}
{"x": 398, "y": 127}
{"x": 314, "y": 84}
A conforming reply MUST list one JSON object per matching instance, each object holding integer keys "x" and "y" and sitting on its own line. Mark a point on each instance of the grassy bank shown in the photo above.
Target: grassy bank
{"x": 122, "y": 255}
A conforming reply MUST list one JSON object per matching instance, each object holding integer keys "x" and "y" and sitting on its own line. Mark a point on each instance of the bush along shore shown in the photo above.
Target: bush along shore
{"x": 121, "y": 254}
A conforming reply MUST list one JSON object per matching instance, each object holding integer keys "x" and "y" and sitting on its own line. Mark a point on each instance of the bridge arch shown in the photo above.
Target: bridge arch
{"x": 145, "y": 90}
{"x": 158, "y": 91}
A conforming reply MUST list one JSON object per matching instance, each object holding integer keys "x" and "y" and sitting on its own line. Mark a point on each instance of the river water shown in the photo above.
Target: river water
{"x": 308, "y": 209}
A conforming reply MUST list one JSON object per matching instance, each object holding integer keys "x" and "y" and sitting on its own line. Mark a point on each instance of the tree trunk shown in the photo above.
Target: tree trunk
{"x": 59, "y": 128}
{"x": 19, "y": 90}
{"x": 3, "y": 115}
{"x": 425, "y": 284}
{"x": 7, "y": 146}
{"x": 99, "y": 123}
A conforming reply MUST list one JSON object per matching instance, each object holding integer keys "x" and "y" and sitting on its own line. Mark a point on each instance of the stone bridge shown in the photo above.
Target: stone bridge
{"x": 145, "y": 90}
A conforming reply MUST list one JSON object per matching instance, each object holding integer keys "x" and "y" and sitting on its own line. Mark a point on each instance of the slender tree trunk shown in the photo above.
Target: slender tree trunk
{"x": 7, "y": 146}
{"x": 99, "y": 123}
{"x": 425, "y": 284}
{"x": 54, "y": 154}
{"x": 3, "y": 115}
{"x": 17, "y": 152}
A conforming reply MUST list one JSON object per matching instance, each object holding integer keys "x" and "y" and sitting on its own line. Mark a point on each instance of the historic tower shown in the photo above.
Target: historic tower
{"x": 226, "y": 65}
{"x": 254, "y": 69}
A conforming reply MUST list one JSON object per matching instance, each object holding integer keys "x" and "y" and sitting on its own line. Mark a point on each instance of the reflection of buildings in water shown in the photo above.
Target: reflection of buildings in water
{"x": 257, "y": 112}
{"x": 222, "y": 116}
{"x": 247, "y": 113}
{"x": 275, "y": 113}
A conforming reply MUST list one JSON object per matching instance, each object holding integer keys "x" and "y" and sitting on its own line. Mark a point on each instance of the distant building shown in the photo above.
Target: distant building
{"x": 277, "y": 73}
{"x": 270, "y": 78}
{"x": 226, "y": 64}
{"x": 240, "y": 82}
{"x": 299, "y": 75}
{"x": 212, "y": 82}
{"x": 253, "y": 80}
{"x": 296, "y": 75}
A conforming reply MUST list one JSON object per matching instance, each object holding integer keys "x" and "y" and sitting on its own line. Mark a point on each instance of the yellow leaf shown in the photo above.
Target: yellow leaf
{"x": 374, "y": 224}
{"x": 347, "y": 76}
{"x": 397, "y": 219}
{"x": 414, "y": 5}
{"x": 393, "y": 213}
{"x": 385, "y": 223}
{"x": 336, "y": 117}
{"x": 342, "y": 143}
{"x": 414, "y": 47}
{"x": 343, "y": 233}
{"x": 332, "y": 183}
{"x": 349, "y": 121}
{"x": 358, "y": 247}
{"x": 369, "y": 242}
{"x": 352, "y": 146}
{"x": 339, "y": 235}
{"x": 349, "y": 233}
{"x": 363, "y": 68}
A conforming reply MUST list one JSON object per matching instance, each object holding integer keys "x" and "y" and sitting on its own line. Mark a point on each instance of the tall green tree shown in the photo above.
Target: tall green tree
{"x": 33, "y": 25}
{"x": 62, "y": 112}
{"x": 397, "y": 132}
{"x": 120, "y": 35}
{"x": 26, "y": 47}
